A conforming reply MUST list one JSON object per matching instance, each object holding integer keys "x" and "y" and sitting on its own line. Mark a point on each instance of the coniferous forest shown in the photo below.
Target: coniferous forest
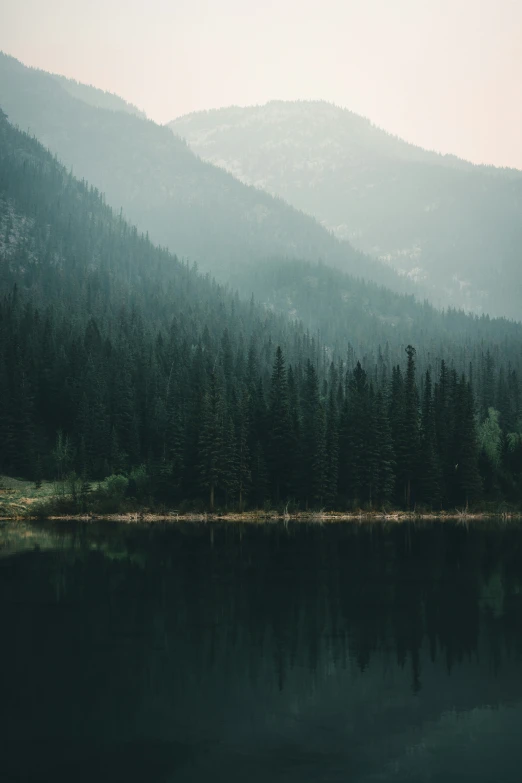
{"x": 121, "y": 363}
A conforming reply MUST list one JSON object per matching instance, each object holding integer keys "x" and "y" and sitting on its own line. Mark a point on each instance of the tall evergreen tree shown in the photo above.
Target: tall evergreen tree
{"x": 313, "y": 440}
{"x": 407, "y": 446}
{"x": 332, "y": 450}
{"x": 211, "y": 439}
{"x": 430, "y": 476}
{"x": 468, "y": 485}
{"x": 385, "y": 457}
{"x": 280, "y": 429}
{"x": 244, "y": 475}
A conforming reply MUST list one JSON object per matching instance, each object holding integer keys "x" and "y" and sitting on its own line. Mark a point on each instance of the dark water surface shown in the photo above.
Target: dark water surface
{"x": 215, "y": 652}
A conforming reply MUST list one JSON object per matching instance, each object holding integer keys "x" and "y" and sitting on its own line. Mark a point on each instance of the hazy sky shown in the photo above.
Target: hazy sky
{"x": 445, "y": 74}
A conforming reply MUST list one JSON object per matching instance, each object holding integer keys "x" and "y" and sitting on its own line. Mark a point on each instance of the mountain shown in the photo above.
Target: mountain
{"x": 114, "y": 355}
{"x": 101, "y": 99}
{"x": 363, "y": 315}
{"x": 453, "y": 226}
{"x": 119, "y": 363}
{"x": 190, "y": 206}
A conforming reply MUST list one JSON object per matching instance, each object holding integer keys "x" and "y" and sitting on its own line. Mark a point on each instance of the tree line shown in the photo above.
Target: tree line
{"x": 226, "y": 423}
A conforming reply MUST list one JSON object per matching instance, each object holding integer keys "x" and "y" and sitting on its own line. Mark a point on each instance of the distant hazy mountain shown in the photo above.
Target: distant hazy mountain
{"x": 101, "y": 99}
{"x": 455, "y": 226}
{"x": 186, "y": 204}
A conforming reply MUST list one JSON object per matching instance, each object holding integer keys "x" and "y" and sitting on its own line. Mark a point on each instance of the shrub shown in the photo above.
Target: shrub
{"x": 116, "y": 486}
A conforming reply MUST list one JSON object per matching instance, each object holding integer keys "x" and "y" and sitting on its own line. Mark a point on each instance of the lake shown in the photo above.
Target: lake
{"x": 225, "y": 652}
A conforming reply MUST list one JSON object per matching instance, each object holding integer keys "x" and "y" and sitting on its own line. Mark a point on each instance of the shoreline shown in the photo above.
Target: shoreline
{"x": 257, "y": 517}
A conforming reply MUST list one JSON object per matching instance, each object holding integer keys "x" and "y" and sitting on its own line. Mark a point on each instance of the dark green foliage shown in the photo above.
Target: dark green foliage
{"x": 242, "y": 450}
{"x": 444, "y": 409}
{"x": 38, "y": 472}
{"x": 430, "y": 477}
{"x": 313, "y": 441}
{"x": 383, "y": 456}
{"x": 355, "y": 473}
{"x": 280, "y": 442}
{"x": 259, "y": 475}
{"x": 468, "y": 483}
{"x": 331, "y": 450}
{"x": 408, "y": 446}
{"x": 212, "y": 446}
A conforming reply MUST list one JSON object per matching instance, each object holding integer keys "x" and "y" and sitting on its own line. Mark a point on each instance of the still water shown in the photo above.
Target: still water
{"x": 296, "y": 653}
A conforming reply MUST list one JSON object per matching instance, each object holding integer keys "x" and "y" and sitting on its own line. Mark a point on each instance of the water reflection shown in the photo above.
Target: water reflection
{"x": 307, "y": 652}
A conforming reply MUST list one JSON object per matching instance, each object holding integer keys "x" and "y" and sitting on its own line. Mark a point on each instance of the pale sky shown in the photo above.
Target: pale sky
{"x": 444, "y": 74}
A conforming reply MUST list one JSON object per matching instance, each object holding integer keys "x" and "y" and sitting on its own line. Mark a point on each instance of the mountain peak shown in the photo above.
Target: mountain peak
{"x": 434, "y": 218}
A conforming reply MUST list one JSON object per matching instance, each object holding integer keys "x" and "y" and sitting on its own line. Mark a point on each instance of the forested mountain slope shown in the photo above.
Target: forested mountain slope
{"x": 440, "y": 220}
{"x": 115, "y": 358}
{"x": 339, "y": 307}
{"x": 192, "y": 207}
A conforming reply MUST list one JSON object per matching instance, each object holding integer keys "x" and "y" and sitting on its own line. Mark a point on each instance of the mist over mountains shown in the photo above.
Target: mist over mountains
{"x": 194, "y": 208}
{"x": 298, "y": 180}
{"x": 454, "y": 227}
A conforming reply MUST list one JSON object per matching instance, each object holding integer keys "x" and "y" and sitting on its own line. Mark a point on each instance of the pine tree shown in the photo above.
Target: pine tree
{"x": 358, "y": 435}
{"x": 468, "y": 485}
{"x": 385, "y": 482}
{"x": 62, "y": 456}
{"x": 490, "y": 443}
{"x": 7, "y": 425}
{"x": 444, "y": 426}
{"x": 259, "y": 477}
{"x": 125, "y": 417}
{"x": 332, "y": 450}
{"x": 280, "y": 430}
{"x": 116, "y": 456}
{"x": 38, "y": 472}
{"x": 296, "y": 451}
{"x": 407, "y": 447}
{"x": 196, "y": 391}
{"x": 313, "y": 440}
{"x": 373, "y": 451}
{"x": 229, "y": 464}
{"x": 23, "y": 423}
{"x": 227, "y": 362}
{"x": 211, "y": 440}
{"x": 174, "y": 446}
{"x": 396, "y": 417}
{"x": 344, "y": 461}
{"x": 243, "y": 453}
{"x": 84, "y": 436}
{"x": 429, "y": 462}
{"x": 488, "y": 384}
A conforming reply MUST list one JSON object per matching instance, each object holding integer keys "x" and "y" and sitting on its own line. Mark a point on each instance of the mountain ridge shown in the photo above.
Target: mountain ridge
{"x": 442, "y": 221}
{"x": 94, "y": 96}
{"x": 314, "y": 103}
{"x": 186, "y": 204}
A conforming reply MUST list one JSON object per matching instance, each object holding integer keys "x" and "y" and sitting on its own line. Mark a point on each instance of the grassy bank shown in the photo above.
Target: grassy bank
{"x": 21, "y": 500}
